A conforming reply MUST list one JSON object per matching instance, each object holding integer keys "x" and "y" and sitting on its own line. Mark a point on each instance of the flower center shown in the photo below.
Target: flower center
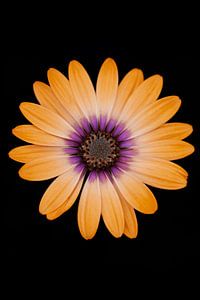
{"x": 99, "y": 150}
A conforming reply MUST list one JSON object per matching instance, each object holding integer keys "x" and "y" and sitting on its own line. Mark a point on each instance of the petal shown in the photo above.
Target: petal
{"x": 27, "y": 153}
{"x": 44, "y": 168}
{"x": 46, "y": 119}
{"x": 68, "y": 202}
{"x": 166, "y": 149}
{"x": 34, "y": 135}
{"x": 47, "y": 98}
{"x": 154, "y": 115}
{"x": 136, "y": 193}
{"x": 61, "y": 88}
{"x": 131, "y": 225}
{"x": 82, "y": 88}
{"x": 167, "y": 131}
{"x": 146, "y": 93}
{"x": 89, "y": 209}
{"x": 128, "y": 84}
{"x": 160, "y": 173}
{"x": 59, "y": 192}
{"x": 107, "y": 85}
{"x": 112, "y": 211}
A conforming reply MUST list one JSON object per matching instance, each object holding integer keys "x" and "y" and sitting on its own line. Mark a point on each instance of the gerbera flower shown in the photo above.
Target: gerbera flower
{"x": 106, "y": 146}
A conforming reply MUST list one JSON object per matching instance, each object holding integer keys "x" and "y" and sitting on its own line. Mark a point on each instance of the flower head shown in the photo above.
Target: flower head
{"x": 106, "y": 145}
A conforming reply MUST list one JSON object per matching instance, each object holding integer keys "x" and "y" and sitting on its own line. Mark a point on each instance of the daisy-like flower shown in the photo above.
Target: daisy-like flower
{"x": 106, "y": 145}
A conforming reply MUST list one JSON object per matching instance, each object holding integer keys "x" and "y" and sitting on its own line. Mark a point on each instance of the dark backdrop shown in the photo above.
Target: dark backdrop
{"x": 168, "y": 240}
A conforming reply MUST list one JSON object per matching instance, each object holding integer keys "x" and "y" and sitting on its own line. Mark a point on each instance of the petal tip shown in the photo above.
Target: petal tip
{"x": 117, "y": 234}
{"x": 158, "y": 79}
{"x": 42, "y": 211}
{"x": 109, "y": 61}
{"x": 176, "y": 100}
{"x": 192, "y": 149}
{"x": 36, "y": 83}
{"x": 25, "y": 174}
{"x": 21, "y": 173}
{"x": 152, "y": 210}
{"x": 51, "y": 72}
{"x": 15, "y": 131}
{"x": 190, "y": 128}
{"x": 49, "y": 218}
{"x": 87, "y": 237}
{"x": 74, "y": 63}
{"x": 138, "y": 71}
{"x": 75, "y": 67}
{"x": 131, "y": 235}
{"x": 23, "y": 105}
{"x": 10, "y": 154}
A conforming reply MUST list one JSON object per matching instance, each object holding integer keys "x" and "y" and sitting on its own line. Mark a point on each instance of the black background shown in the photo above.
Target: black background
{"x": 167, "y": 242}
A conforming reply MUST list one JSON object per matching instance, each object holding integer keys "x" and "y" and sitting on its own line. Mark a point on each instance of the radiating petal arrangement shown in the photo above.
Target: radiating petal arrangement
{"x": 104, "y": 146}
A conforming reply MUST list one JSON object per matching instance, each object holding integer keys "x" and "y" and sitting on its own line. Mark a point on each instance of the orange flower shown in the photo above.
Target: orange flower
{"x": 109, "y": 143}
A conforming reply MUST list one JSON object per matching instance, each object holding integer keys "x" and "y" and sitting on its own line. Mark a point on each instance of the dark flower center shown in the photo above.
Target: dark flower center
{"x": 99, "y": 150}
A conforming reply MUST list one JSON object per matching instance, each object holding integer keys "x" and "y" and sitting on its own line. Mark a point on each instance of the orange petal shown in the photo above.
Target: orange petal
{"x": 160, "y": 173}
{"x": 136, "y": 193}
{"x": 61, "y": 87}
{"x": 154, "y": 115}
{"x": 82, "y": 88}
{"x": 59, "y": 192}
{"x": 146, "y": 93}
{"x": 67, "y": 204}
{"x": 46, "y": 119}
{"x": 167, "y": 131}
{"x": 165, "y": 149}
{"x": 27, "y": 153}
{"x": 131, "y": 225}
{"x": 34, "y": 135}
{"x": 89, "y": 209}
{"x": 128, "y": 84}
{"x": 107, "y": 85}
{"x": 112, "y": 211}
{"x": 47, "y": 98}
{"x": 44, "y": 168}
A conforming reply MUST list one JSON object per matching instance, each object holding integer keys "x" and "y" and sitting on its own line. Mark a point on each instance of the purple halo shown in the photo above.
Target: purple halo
{"x": 109, "y": 128}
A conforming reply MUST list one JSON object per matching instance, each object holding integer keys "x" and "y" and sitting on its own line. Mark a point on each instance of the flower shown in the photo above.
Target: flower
{"x": 105, "y": 146}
